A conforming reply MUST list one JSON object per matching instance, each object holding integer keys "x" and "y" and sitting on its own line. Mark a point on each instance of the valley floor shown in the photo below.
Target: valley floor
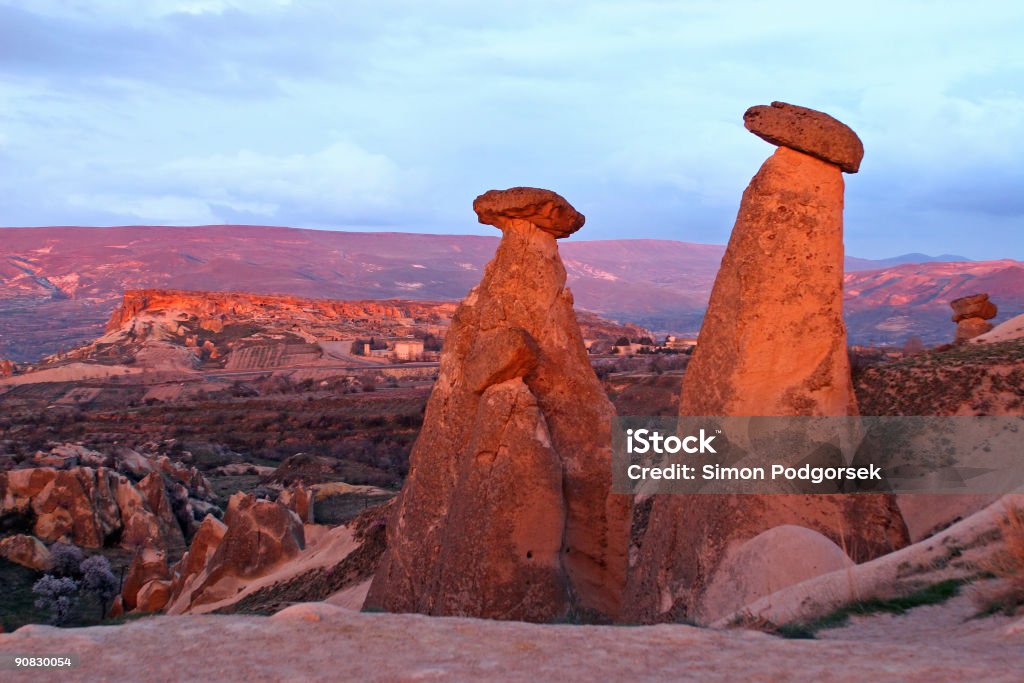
{"x": 317, "y": 641}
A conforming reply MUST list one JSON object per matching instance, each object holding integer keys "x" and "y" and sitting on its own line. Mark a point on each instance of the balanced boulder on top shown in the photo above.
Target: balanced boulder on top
{"x": 544, "y": 209}
{"x": 971, "y": 315}
{"x": 808, "y": 131}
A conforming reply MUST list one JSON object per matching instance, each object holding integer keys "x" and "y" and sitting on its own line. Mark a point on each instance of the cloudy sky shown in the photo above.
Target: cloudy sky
{"x": 393, "y": 115}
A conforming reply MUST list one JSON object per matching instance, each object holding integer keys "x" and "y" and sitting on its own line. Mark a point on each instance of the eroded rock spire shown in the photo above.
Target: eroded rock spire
{"x": 773, "y": 343}
{"x": 507, "y": 511}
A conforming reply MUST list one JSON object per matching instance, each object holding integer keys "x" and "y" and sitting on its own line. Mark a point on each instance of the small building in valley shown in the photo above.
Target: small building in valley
{"x": 409, "y": 349}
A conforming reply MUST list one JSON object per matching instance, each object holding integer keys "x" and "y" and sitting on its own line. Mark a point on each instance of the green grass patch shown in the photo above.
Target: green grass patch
{"x": 930, "y": 595}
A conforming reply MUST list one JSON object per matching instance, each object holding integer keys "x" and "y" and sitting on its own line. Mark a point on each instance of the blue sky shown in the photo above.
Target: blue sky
{"x": 393, "y": 115}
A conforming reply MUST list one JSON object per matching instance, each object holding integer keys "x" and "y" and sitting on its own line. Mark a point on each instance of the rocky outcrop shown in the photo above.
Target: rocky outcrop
{"x": 6, "y": 368}
{"x": 92, "y": 508}
{"x": 169, "y": 529}
{"x": 153, "y": 596}
{"x": 971, "y": 315}
{"x": 255, "y": 537}
{"x": 141, "y": 527}
{"x": 299, "y": 500}
{"x": 773, "y": 342}
{"x": 147, "y": 566}
{"x": 213, "y": 311}
{"x": 195, "y": 560}
{"x": 77, "y": 504}
{"x": 507, "y": 512}
{"x": 28, "y": 551}
{"x": 131, "y": 463}
{"x": 67, "y": 455}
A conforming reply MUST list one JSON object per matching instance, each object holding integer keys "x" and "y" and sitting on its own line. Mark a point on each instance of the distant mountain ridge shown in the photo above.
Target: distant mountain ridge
{"x": 854, "y": 263}
{"x": 59, "y": 285}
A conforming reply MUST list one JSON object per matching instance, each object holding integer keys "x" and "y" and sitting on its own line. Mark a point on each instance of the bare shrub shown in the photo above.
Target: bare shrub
{"x": 1006, "y": 592}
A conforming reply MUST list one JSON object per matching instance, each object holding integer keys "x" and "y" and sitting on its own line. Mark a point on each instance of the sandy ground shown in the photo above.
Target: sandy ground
{"x": 321, "y": 642}
{"x": 1005, "y": 331}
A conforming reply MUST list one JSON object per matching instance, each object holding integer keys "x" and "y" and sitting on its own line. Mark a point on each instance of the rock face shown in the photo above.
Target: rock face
{"x": 90, "y": 507}
{"x": 256, "y": 536}
{"x": 28, "y": 551}
{"x": 969, "y": 328}
{"x": 808, "y": 131}
{"x": 153, "y": 596}
{"x": 507, "y": 512}
{"x": 970, "y": 314}
{"x": 148, "y": 565}
{"x": 194, "y": 562}
{"x": 772, "y": 560}
{"x": 83, "y": 496}
{"x": 773, "y": 343}
{"x": 299, "y": 500}
{"x": 773, "y": 340}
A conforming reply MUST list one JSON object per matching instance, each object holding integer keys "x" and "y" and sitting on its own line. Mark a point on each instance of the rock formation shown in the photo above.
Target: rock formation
{"x": 256, "y": 536}
{"x": 773, "y": 342}
{"x": 507, "y": 512}
{"x": 153, "y": 596}
{"x": 299, "y": 500}
{"x": 774, "y": 559}
{"x": 194, "y": 562}
{"x": 28, "y": 551}
{"x": 971, "y": 315}
{"x": 98, "y": 507}
{"x": 147, "y": 566}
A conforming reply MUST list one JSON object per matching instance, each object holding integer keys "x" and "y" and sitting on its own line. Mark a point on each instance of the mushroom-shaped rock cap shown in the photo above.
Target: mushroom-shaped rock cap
{"x": 546, "y": 209}
{"x": 808, "y": 131}
{"x": 973, "y": 306}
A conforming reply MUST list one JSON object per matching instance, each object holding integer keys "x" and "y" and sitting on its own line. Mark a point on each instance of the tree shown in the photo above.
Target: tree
{"x": 57, "y": 595}
{"x": 66, "y": 559}
{"x": 431, "y": 342}
{"x": 97, "y": 578}
{"x": 622, "y": 341}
